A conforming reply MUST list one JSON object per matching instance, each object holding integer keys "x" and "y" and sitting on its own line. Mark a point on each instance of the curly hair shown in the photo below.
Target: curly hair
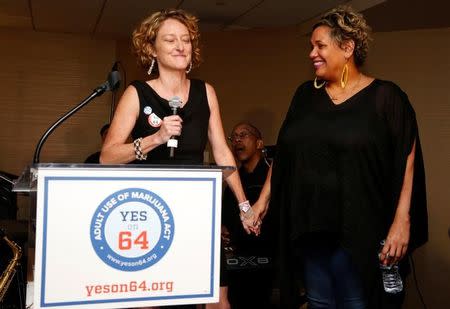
{"x": 347, "y": 24}
{"x": 144, "y": 36}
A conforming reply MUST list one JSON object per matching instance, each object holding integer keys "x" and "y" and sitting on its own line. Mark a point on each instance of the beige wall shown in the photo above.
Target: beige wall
{"x": 419, "y": 62}
{"x": 42, "y": 76}
{"x": 255, "y": 74}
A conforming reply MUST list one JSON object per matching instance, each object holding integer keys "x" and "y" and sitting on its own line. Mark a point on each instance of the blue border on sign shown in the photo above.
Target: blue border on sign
{"x": 47, "y": 180}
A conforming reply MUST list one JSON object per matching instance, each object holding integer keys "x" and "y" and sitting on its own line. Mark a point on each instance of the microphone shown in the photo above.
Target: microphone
{"x": 115, "y": 66}
{"x": 114, "y": 84}
{"x": 111, "y": 84}
{"x": 172, "y": 143}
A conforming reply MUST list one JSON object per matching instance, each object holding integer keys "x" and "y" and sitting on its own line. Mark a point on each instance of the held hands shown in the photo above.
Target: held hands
{"x": 171, "y": 126}
{"x": 396, "y": 244}
{"x": 251, "y": 221}
{"x": 246, "y": 215}
{"x": 259, "y": 212}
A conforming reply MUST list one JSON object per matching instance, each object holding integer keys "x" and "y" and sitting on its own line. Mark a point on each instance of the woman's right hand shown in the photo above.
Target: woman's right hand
{"x": 260, "y": 210}
{"x": 261, "y": 206}
{"x": 170, "y": 126}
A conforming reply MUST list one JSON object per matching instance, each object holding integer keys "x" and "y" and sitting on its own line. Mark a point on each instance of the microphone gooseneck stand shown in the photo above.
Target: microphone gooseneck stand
{"x": 112, "y": 83}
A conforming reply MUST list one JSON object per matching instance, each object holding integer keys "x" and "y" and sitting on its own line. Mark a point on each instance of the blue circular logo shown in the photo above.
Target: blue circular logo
{"x": 132, "y": 229}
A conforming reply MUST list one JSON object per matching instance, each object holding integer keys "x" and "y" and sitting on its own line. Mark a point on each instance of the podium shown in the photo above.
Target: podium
{"x": 123, "y": 236}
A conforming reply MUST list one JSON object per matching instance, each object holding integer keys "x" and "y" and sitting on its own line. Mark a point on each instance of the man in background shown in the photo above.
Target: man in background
{"x": 248, "y": 257}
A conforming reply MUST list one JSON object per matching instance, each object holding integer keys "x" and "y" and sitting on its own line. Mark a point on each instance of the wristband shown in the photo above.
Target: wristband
{"x": 244, "y": 206}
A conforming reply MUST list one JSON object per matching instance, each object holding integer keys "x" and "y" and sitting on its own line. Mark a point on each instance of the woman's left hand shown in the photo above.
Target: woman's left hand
{"x": 397, "y": 240}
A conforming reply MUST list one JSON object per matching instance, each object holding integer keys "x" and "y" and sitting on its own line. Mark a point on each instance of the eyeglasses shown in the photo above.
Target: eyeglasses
{"x": 243, "y": 135}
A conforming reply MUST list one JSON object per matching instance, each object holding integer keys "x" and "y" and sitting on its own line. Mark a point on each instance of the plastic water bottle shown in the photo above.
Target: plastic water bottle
{"x": 392, "y": 281}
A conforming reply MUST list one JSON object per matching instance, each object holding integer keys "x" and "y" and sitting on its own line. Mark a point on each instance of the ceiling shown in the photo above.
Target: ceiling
{"x": 117, "y": 18}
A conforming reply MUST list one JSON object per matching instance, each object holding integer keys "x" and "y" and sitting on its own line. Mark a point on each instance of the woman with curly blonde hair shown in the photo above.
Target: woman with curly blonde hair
{"x": 144, "y": 38}
{"x": 348, "y": 178}
{"x": 167, "y": 46}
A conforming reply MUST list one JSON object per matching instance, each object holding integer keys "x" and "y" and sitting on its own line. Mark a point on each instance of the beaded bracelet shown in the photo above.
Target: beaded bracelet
{"x": 138, "y": 150}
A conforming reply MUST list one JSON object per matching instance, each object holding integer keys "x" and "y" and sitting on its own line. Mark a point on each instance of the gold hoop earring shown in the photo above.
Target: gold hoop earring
{"x": 318, "y": 86}
{"x": 344, "y": 76}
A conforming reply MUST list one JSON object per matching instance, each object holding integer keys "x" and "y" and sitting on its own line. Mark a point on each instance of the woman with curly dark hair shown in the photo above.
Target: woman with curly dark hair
{"x": 348, "y": 178}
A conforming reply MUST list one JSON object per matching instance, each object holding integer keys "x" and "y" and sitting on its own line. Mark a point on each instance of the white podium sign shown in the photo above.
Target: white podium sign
{"x": 127, "y": 237}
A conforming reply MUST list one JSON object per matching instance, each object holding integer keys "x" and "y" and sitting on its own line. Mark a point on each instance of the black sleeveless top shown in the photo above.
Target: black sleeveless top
{"x": 195, "y": 115}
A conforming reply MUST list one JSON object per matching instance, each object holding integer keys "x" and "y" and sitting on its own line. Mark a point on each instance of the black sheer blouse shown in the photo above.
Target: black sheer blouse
{"x": 339, "y": 169}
